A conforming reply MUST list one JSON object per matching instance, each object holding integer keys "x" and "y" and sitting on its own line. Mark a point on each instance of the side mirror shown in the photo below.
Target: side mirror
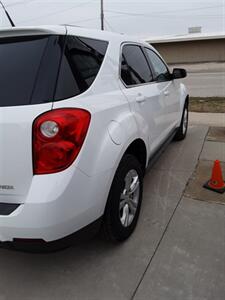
{"x": 179, "y": 73}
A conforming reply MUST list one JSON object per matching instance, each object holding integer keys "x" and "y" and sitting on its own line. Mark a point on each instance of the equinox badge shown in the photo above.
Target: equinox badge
{"x": 6, "y": 187}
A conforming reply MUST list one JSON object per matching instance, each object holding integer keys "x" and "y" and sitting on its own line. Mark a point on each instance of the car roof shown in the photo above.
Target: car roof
{"x": 104, "y": 35}
{"x": 70, "y": 29}
{"x": 97, "y": 34}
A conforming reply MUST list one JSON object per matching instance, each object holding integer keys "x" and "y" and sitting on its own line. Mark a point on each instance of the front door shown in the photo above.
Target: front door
{"x": 168, "y": 89}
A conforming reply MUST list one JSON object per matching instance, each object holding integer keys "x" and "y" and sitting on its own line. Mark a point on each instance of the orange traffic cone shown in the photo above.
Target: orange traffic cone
{"x": 216, "y": 183}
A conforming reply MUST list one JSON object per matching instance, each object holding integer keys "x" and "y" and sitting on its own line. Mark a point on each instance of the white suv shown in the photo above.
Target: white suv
{"x": 82, "y": 115}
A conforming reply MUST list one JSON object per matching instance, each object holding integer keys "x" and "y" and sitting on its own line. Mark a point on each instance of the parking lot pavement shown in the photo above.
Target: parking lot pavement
{"x": 97, "y": 270}
{"x": 213, "y": 151}
{"x": 206, "y": 84}
{"x": 204, "y": 79}
{"x": 216, "y": 134}
{"x": 202, "y": 175}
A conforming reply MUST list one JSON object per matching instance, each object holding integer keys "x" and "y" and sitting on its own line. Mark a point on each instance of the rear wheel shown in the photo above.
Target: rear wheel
{"x": 182, "y": 130}
{"x": 124, "y": 201}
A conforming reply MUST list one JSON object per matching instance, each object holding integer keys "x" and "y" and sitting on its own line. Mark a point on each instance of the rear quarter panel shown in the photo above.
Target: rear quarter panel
{"x": 111, "y": 118}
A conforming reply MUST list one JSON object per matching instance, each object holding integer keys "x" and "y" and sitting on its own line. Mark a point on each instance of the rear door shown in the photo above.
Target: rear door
{"x": 29, "y": 67}
{"x": 167, "y": 87}
{"x": 143, "y": 93}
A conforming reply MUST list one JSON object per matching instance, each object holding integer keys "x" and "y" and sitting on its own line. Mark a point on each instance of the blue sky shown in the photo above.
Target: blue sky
{"x": 144, "y": 18}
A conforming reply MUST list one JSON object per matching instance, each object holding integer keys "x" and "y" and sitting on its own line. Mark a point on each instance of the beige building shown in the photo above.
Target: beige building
{"x": 191, "y": 48}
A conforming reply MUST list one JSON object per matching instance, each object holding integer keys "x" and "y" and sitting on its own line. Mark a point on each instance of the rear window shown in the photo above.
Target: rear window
{"x": 81, "y": 62}
{"x": 20, "y": 61}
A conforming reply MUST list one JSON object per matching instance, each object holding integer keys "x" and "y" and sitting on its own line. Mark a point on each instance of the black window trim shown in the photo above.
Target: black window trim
{"x": 120, "y": 65}
{"x": 152, "y": 67}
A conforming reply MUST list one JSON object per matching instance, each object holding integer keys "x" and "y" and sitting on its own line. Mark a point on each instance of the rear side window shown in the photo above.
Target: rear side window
{"x": 40, "y": 69}
{"x": 48, "y": 72}
{"x": 134, "y": 67}
{"x": 81, "y": 62}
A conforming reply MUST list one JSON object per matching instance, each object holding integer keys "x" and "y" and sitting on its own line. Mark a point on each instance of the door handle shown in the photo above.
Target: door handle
{"x": 141, "y": 99}
{"x": 166, "y": 93}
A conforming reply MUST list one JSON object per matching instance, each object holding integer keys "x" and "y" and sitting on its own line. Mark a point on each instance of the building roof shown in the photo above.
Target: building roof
{"x": 186, "y": 38}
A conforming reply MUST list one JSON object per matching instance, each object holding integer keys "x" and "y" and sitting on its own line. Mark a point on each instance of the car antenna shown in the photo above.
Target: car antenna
{"x": 7, "y": 14}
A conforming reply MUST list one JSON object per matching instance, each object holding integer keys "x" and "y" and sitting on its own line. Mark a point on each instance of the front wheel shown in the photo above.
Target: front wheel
{"x": 182, "y": 130}
{"x": 124, "y": 201}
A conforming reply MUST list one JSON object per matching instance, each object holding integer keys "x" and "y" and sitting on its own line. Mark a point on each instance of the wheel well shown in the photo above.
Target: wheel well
{"x": 138, "y": 149}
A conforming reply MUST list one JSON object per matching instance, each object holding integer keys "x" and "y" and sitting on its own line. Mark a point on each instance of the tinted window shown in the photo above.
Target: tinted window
{"x": 160, "y": 69}
{"x": 20, "y": 60}
{"x": 81, "y": 62}
{"x": 134, "y": 69}
{"x": 48, "y": 72}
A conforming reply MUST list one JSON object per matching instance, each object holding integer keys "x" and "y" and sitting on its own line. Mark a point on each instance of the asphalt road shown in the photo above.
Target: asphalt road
{"x": 202, "y": 84}
{"x": 204, "y": 79}
{"x": 176, "y": 252}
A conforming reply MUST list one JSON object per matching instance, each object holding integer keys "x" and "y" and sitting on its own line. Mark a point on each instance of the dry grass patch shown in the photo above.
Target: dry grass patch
{"x": 207, "y": 105}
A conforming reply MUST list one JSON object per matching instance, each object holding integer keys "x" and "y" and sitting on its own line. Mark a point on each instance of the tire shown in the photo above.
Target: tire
{"x": 182, "y": 130}
{"x": 123, "y": 207}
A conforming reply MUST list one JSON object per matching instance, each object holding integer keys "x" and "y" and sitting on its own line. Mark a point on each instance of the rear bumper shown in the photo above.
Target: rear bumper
{"x": 41, "y": 246}
{"x": 57, "y": 206}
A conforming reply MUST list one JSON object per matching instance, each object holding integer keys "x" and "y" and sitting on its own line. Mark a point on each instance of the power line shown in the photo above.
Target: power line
{"x": 58, "y": 12}
{"x": 19, "y": 3}
{"x": 81, "y": 21}
{"x": 158, "y": 14}
{"x": 170, "y": 16}
{"x": 163, "y": 12}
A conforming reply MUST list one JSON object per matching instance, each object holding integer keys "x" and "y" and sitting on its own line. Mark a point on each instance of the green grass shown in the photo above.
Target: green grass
{"x": 207, "y": 105}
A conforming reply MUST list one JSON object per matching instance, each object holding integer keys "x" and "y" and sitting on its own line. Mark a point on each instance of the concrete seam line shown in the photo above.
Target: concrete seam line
{"x": 156, "y": 249}
{"x": 167, "y": 226}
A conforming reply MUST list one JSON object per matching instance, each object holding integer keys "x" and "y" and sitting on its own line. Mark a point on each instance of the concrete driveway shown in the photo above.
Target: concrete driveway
{"x": 177, "y": 251}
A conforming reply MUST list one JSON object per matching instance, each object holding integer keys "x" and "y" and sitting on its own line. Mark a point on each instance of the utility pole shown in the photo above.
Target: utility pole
{"x": 7, "y": 14}
{"x": 102, "y": 15}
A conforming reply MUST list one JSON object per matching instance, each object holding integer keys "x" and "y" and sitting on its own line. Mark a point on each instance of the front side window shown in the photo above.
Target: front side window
{"x": 134, "y": 66}
{"x": 160, "y": 69}
{"x": 81, "y": 62}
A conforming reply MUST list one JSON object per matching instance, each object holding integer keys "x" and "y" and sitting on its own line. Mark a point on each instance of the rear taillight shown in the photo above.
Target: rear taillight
{"x": 58, "y": 136}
